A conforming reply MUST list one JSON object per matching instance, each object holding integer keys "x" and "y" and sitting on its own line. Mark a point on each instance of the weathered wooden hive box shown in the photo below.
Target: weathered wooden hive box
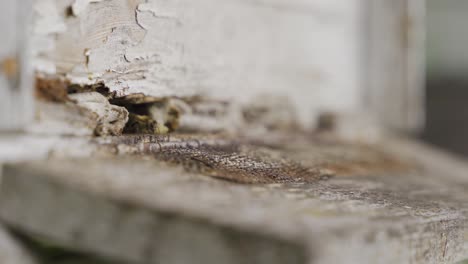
{"x": 318, "y": 56}
{"x": 223, "y": 131}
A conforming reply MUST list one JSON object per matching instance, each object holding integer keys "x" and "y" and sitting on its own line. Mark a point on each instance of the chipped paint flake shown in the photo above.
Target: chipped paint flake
{"x": 111, "y": 118}
{"x": 152, "y": 7}
{"x": 80, "y": 5}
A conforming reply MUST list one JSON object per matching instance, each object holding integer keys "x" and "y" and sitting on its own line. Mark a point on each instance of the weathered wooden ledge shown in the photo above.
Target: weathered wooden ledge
{"x": 139, "y": 208}
{"x": 11, "y": 252}
{"x": 255, "y": 82}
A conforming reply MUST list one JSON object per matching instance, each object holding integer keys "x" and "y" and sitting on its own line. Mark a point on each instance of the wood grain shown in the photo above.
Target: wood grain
{"x": 137, "y": 208}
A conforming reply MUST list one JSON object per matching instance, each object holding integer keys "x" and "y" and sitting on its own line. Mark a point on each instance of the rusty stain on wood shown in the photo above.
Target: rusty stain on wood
{"x": 10, "y": 67}
{"x": 52, "y": 90}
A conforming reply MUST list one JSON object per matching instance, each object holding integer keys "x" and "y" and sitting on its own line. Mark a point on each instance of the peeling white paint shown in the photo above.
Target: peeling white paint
{"x": 154, "y": 9}
{"x": 317, "y": 53}
{"x": 48, "y": 23}
{"x": 80, "y": 5}
{"x": 111, "y": 119}
{"x": 229, "y": 50}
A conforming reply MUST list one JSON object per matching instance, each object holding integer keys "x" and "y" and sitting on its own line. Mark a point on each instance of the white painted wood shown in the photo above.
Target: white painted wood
{"x": 231, "y": 50}
{"x": 395, "y": 63}
{"x": 315, "y": 53}
{"x": 16, "y": 103}
{"x": 338, "y": 56}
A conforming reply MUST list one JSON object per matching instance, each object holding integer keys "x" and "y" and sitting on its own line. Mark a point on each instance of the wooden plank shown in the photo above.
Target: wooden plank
{"x": 394, "y": 55}
{"x": 16, "y": 107}
{"x": 11, "y": 252}
{"x": 146, "y": 210}
{"x": 231, "y": 50}
{"x": 396, "y": 63}
{"x": 319, "y": 55}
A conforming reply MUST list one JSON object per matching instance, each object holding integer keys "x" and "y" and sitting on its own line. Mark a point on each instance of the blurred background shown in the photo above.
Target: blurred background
{"x": 447, "y": 75}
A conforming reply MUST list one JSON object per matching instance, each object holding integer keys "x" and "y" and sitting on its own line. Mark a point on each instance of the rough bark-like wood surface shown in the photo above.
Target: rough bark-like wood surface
{"x": 143, "y": 207}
